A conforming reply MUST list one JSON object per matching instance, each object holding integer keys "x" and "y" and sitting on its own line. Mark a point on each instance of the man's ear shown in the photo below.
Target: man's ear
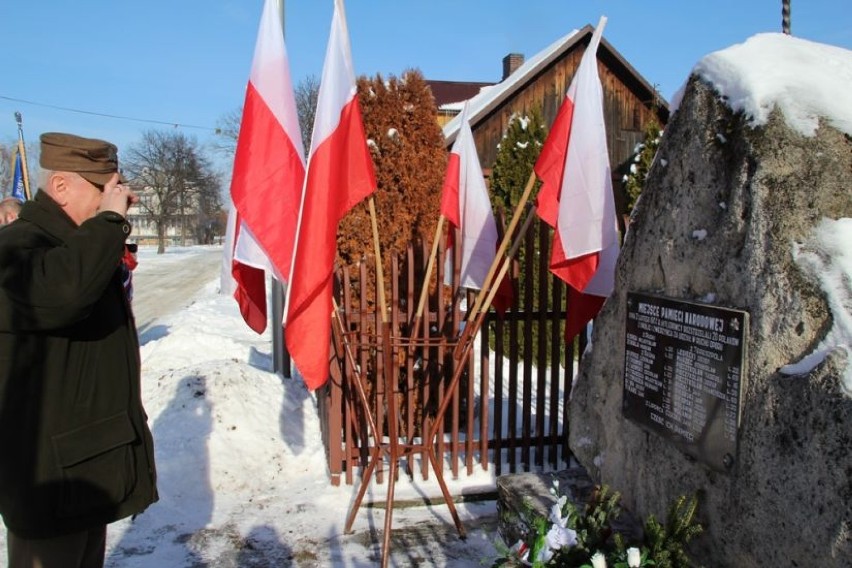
{"x": 58, "y": 186}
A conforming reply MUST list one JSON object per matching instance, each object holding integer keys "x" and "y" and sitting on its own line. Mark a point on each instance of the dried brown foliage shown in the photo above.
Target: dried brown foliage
{"x": 407, "y": 146}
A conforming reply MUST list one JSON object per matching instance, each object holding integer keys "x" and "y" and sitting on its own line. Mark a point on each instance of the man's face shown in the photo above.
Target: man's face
{"x": 83, "y": 197}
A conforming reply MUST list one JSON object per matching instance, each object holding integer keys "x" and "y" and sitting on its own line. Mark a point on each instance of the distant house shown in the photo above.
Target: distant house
{"x": 180, "y": 227}
{"x": 630, "y": 102}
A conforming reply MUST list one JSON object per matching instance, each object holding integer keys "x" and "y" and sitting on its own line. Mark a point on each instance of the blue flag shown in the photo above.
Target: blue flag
{"x": 18, "y": 180}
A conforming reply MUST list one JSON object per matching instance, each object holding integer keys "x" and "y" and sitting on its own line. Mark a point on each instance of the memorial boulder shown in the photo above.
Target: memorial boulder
{"x": 731, "y": 224}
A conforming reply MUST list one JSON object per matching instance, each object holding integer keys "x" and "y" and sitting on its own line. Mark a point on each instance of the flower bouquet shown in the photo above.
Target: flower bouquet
{"x": 574, "y": 537}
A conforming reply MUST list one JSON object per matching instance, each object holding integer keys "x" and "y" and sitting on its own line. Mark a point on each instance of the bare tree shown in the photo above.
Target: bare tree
{"x": 175, "y": 181}
{"x": 307, "y": 92}
{"x": 6, "y": 167}
{"x": 227, "y": 132}
{"x": 208, "y": 201}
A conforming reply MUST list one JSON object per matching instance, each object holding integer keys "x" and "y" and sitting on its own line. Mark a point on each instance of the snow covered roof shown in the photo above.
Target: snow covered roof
{"x": 491, "y": 97}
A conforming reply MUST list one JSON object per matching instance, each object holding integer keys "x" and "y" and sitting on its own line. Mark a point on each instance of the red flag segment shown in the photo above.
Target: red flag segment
{"x": 250, "y": 294}
{"x": 450, "y": 191}
{"x": 266, "y": 186}
{"x": 550, "y": 165}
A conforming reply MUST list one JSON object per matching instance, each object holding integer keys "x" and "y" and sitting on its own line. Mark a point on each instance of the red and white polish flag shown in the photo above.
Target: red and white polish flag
{"x": 576, "y": 195}
{"x": 269, "y": 171}
{"x": 467, "y": 207}
{"x": 340, "y": 174}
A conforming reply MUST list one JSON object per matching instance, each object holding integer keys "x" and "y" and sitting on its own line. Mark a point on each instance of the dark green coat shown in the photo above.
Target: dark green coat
{"x": 75, "y": 448}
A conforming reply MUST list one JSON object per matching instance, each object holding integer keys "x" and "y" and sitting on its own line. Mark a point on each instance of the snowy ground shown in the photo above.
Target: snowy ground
{"x": 242, "y": 473}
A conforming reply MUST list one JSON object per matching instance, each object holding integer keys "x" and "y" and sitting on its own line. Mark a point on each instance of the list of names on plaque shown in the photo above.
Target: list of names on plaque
{"x": 682, "y": 372}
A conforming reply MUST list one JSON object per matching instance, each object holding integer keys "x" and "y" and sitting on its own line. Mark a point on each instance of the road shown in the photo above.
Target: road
{"x": 169, "y": 283}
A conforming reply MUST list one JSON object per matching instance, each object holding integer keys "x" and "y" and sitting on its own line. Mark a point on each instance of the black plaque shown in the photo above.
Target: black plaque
{"x": 683, "y": 365}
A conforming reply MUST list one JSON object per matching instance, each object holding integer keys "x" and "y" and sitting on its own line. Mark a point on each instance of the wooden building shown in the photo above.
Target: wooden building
{"x": 542, "y": 81}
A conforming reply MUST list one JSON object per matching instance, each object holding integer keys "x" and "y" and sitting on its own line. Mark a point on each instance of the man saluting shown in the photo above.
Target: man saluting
{"x": 76, "y": 452}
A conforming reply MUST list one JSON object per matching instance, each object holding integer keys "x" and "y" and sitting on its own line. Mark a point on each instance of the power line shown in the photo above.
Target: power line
{"x": 119, "y": 117}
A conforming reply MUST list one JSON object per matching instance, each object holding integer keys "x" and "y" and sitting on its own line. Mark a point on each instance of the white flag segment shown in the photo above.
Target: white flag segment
{"x": 475, "y": 219}
{"x": 247, "y": 251}
{"x": 603, "y": 282}
{"x": 227, "y": 285}
{"x": 338, "y": 79}
{"x": 243, "y": 248}
{"x": 270, "y": 75}
{"x": 586, "y": 219}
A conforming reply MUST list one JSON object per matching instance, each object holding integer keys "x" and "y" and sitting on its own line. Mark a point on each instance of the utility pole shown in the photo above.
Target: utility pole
{"x": 280, "y": 356}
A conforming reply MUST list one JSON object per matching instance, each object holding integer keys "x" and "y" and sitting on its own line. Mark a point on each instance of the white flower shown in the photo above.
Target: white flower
{"x": 633, "y": 557}
{"x": 544, "y": 555}
{"x": 556, "y": 512}
{"x": 559, "y": 537}
{"x": 598, "y": 560}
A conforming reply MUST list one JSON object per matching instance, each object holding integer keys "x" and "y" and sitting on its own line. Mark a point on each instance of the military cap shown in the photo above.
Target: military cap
{"x": 93, "y": 159}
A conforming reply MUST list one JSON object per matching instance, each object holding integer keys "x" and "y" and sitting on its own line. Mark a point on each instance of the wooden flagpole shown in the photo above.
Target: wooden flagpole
{"x": 380, "y": 279}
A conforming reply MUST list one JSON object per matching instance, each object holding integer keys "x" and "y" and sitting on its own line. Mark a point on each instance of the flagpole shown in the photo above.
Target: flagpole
{"x": 380, "y": 284}
{"x": 296, "y": 243}
{"x": 23, "y": 153}
{"x": 280, "y": 356}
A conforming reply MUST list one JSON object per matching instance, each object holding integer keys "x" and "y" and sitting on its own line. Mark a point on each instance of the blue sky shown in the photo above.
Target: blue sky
{"x": 186, "y": 62}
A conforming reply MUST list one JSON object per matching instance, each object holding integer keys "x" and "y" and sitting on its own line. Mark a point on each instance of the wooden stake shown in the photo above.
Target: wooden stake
{"x": 380, "y": 278}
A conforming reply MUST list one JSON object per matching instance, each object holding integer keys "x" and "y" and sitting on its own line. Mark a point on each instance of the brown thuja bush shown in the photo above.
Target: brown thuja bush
{"x": 407, "y": 146}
